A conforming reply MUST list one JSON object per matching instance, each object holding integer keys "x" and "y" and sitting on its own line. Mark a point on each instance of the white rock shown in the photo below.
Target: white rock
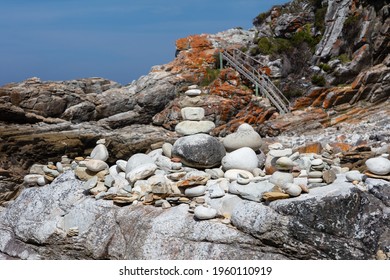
{"x": 41, "y": 181}
{"x": 137, "y": 160}
{"x": 275, "y": 146}
{"x": 192, "y": 113}
{"x": 32, "y": 179}
{"x": 215, "y": 191}
{"x": 195, "y": 191}
{"x": 141, "y": 172}
{"x": 245, "y": 136}
{"x": 253, "y": 191}
{"x": 243, "y": 158}
{"x": 284, "y": 164}
{"x": 100, "y": 187}
{"x": 280, "y": 179}
{"x": 100, "y": 152}
{"x": 60, "y": 167}
{"x": 194, "y": 127}
{"x": 205, "y": 213}
{"x": 233, "y": 173}
{"x": 215, "y": 173}
{"x": 155, "y": 154}
{"x": 37, "y": 169}
{"x": 121, "y": 164}
{"x": 142, "y": 187}
{"x": 114, "y": 170}
{"x": 354, "y": 175}
{"x": 281, "y": 153}
{"x": 225, "y": 205}
{"x": 119, "y": 182}
{"x": 315, "y": 180}
{"x": 292, "y": 189}
{"x": 315, "y": 174}
{"x": 91, "y": 183}
{"x": 243, "y": 179}
{"x": 96, "y": 165}
{"x": 167, "y": 149}
{"x": 193, "y": 87}
{"x": 378, "y": 165}
{"x": 193, "y": 92}
{"x": 109, "y": 181}
{"x": 316, "y": 162}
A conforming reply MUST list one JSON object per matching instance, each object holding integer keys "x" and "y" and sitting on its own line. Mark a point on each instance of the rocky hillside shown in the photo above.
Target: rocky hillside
{"x": 330, "y": 58}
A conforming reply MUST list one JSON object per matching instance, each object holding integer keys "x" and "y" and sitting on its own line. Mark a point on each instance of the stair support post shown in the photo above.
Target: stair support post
{"x": 220, "y": 61}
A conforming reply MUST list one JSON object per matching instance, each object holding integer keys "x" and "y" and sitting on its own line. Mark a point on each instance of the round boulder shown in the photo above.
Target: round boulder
{"x": 243, "y": 158}
{"x": 378, "y": 165}
{"x": 245, "y": 136}
{"x": 199, "y": 151}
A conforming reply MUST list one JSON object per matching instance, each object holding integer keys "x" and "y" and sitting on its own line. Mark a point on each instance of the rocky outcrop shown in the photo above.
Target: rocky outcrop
{"x": 59, "y": 221}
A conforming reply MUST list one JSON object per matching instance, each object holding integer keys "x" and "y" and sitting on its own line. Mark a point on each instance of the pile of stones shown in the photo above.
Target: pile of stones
{"x": 211, "y": 175}
{"x": 193, "y": 116}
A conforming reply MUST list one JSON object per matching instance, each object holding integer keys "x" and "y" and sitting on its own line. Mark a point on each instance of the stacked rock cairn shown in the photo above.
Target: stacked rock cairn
{"x": 208, "y": 174}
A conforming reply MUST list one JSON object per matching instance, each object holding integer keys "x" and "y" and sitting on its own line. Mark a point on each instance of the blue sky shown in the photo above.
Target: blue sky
{"x": 115, "y": 39}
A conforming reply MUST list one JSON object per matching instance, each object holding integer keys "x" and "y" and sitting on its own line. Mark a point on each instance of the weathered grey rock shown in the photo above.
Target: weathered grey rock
{"x": 96, "y": 165}
{"x": 243, "y": 179}
{"x": 194, "y": 127}
{"x": 253, "y": 191}
{"x": 167, "y": 149}
{"x": 109, "y": 181}
{"x": 315, "y": 180}
{"x": 280, "y": 179}
{"x": 141, "y": 172}
{"x": 316, "y": 162}
{"x": 245, "y": 136}
{"x": 199, "y": 151}
{"x": 60, "y": 167}
{"x": 155, "y": 153}
{"x": 243, "y": 158}
{"x": 166, "y": 164}
{"x": 119, "y": 182}
{"x": 100, "y": 152}
{"x": 195, "y": 191}
{"x": 378, "y": 165}
{"x": 137, "y": 160}
{"x": 192, "y": 113}
{"x": 114, "y": 170}
{"x": 205, "y": 213}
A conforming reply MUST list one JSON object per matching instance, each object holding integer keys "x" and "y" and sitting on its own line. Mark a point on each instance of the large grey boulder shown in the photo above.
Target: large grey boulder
{"x": 199, "y": 151}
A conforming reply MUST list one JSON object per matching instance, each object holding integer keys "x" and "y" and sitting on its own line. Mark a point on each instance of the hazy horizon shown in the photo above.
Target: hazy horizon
{"x": 117, "y": 40}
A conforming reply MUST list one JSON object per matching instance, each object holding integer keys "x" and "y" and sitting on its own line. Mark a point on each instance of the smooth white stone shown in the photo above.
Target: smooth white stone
{"x": 96, "y": 165}
{"x": 100, "y": 152}
{"x": 141, "y": 172}
{"x": 195, "y": 191}
{"x": 243, "y": 158}
{"x": 205, "y": 213}
{"x": 378, "y": 165}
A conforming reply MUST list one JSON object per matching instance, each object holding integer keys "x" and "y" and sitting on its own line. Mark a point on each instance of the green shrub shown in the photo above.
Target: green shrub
{"x": 305, "y": 36}
{"x": 210, "y": 76}
{"x": 267, "y": 45}
{"x": 326, "y": 67}
{"x": 319, "y": 21}
{"x": 318, "y": 80}
{"x": 260, "y": 18}
{"x": 344, "y": 58}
